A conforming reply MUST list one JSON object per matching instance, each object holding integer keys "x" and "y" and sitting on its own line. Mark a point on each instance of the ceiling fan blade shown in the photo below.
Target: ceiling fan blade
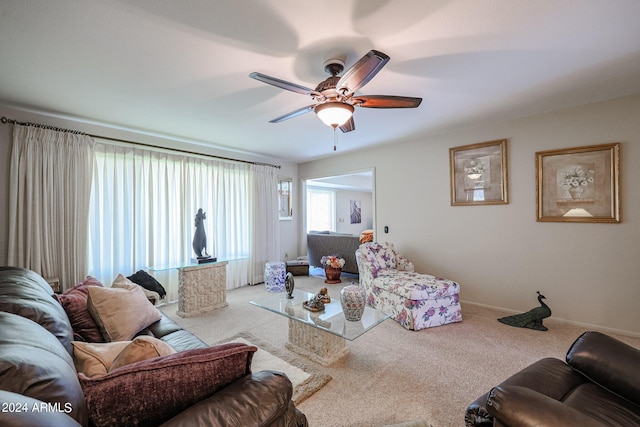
{"x": 291, "y": 115}
{"x": 282, "y": 84}
{"x": 349, "y": 126}
{"x": 386, "y": 101}
{"x": 361, "y": 72}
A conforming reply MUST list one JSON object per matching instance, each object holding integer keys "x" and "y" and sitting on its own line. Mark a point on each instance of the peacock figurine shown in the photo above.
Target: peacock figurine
{"x": 532, "y": 319}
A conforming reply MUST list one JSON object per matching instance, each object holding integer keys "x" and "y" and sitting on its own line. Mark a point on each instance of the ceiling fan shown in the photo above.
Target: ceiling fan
{"x": 335, "y": 97}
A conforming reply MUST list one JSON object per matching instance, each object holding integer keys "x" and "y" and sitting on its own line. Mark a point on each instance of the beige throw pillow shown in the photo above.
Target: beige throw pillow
{"x": 96, "y": 359}
{"x": 123, "y": 282}
{"x": 142, "y": 348}
{"x": 121, "y": 312}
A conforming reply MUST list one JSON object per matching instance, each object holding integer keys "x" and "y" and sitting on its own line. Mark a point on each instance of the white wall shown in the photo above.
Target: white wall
{"x": 343, "y": 211}
{"x": 500, "y": 254}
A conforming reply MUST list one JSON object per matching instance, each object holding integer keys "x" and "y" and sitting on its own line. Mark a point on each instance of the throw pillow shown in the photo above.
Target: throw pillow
{"x": 366, "y": 236}
{"x": 74, "y": 302}
{"x": 137, "y": 394}
{"x": 95, "y": 360}
{"x": 123, "y": 282}
{"x": 120, "y": 312}
{"x": 385, "y": 255}
{"x": 147, "y": 281}
{"x": 141, "y": 348}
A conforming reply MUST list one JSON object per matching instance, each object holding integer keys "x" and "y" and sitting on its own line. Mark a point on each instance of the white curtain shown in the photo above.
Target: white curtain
{"x": 321, "y": 209}
{"x": 49, "y": 191}
{"x": 264, "y": 220}
{"x": 143, "y": 207}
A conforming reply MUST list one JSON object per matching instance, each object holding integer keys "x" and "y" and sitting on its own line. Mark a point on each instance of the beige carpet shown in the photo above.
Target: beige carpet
{"x": 306, "y": 379}
{"x": 392, "y": 375}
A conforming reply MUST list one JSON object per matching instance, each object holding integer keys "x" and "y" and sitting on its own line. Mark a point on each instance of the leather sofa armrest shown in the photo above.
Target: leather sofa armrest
{"x": 608, "y": 362}
{"x": 476, "y": 414}
{"x": 549, "y": 376}
{"x": 523, "y": 407}
{"x": 259, "y": 399}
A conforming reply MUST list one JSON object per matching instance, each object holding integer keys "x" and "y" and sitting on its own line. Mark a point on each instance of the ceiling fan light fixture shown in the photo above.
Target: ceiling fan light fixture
{"x": 334, "y": 114}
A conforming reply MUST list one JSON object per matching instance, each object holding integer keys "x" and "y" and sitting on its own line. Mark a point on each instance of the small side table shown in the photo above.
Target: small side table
{"x": 201, "y": 288}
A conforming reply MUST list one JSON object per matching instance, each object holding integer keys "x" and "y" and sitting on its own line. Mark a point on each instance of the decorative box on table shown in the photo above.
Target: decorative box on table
{"x": 298, "y": 267}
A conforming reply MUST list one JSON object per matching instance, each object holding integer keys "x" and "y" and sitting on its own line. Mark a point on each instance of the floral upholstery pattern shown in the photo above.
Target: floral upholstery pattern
{"x": 414, "y": 300}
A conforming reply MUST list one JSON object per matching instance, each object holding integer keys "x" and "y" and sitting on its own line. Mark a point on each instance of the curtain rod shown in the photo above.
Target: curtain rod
{"x": 5, "y": 120}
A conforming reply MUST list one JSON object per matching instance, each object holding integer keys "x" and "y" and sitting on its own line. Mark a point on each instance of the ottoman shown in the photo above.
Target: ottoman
{"x": 274, "y": 274}
{"x": 298, "y": 267}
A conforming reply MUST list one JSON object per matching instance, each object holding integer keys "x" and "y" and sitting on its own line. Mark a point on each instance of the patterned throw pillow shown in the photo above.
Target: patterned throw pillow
{"x": 130, "y": 395}
{"x": 381, "y": 256}
{"x": 387, "y": 255}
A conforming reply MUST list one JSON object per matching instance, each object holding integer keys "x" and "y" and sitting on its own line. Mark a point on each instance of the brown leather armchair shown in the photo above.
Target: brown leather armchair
{"x": 599, "y": 385}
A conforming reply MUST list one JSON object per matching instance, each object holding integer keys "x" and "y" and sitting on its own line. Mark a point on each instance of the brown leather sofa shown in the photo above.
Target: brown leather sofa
{"x": 599, "y": 385}
{"x": 39, "y": 385}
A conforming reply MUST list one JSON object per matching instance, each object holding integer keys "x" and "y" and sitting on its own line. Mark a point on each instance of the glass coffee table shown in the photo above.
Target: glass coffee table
{"x": 321, "y": 336}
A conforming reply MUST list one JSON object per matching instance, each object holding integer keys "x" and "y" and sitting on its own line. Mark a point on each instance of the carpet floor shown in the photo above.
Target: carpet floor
{"x": 393, "y": 375}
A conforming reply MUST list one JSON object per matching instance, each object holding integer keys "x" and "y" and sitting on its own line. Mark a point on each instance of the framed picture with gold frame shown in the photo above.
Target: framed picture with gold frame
{"x": 479, "y": 174}
{"x": 579, "y": 184}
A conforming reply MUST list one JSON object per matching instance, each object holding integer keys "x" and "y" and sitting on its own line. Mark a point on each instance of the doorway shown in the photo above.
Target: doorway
{"x": 352, "y": 209}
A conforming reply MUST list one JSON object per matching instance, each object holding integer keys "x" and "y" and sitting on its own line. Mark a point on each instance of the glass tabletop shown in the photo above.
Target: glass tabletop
{"x": 178, "y": 266}
{"x": 331, "y": 319}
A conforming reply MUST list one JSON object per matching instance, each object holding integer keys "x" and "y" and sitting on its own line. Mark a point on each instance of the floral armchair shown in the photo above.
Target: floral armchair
{"x": 414, "y": 300}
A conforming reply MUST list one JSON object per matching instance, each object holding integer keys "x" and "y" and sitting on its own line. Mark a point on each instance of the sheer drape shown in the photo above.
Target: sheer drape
{"x": 143, "y": 207}
{"x": 321, "y": 209}
{"x": 49, "y": 191}
{"x": 265, "y": 224}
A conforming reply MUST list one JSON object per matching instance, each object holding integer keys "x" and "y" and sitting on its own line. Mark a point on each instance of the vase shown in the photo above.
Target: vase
{"x": 576, "y": 192}
{"x": 352, "y": 299}
{"x": 332, "y": 274}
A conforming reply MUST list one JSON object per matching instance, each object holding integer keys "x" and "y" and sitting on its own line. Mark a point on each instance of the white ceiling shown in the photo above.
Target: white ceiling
{"x": 181, "y": 67}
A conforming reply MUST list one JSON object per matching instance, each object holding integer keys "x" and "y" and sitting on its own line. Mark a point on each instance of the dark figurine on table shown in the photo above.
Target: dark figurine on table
{"x": 200, "y": 240}
{"x": 200, "y": 236}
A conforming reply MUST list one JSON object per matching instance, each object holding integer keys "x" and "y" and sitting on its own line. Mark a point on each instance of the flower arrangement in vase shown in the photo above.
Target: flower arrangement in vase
{"x": 332, "y": 268}
{"x": 576, "y": 178}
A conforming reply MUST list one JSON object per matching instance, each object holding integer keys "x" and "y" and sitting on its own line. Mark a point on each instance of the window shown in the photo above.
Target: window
{"x": 321, "y": 209}
{"x": 143, "y": 205}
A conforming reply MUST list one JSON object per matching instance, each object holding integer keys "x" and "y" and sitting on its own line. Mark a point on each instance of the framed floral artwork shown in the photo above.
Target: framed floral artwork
{"x": 479, "y": 173}
{"x": 579, "y": 184}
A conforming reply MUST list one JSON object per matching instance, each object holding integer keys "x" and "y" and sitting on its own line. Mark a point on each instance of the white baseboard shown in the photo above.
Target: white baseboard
{"x": 587, "y": 326}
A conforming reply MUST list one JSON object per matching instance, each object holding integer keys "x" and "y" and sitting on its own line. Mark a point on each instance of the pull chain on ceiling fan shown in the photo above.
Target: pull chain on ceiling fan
{"x": 335, "y": 97}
